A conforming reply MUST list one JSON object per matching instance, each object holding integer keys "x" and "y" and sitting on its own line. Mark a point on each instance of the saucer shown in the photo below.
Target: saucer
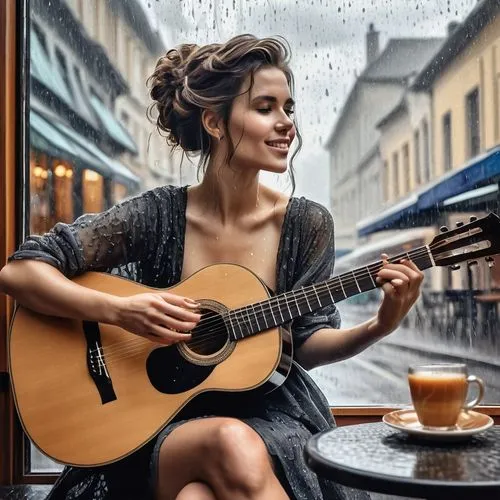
{"x": 469, "y": 423}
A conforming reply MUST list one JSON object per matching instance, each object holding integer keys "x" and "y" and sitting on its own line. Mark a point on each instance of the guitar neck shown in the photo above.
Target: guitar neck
{"x": 283, "y": 308}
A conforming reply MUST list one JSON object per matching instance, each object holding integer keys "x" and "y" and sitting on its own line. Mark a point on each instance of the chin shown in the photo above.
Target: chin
{"x": 275, "y": 167}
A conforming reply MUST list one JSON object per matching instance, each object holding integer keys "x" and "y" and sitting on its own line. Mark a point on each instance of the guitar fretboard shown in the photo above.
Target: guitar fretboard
{"x": 283, "y": 308}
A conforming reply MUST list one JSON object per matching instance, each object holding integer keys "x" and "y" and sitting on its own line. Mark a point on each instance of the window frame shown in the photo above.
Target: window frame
{"x": 14, "y": 106}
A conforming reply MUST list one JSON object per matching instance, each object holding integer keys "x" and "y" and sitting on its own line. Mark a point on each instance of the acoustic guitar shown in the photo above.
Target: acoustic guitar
{"x": 89, "y": 394}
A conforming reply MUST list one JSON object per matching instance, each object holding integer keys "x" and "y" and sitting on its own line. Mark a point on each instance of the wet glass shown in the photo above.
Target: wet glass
{"x": 389, "y": 103}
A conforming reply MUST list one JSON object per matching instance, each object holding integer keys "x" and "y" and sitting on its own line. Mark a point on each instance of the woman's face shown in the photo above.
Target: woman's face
{"x": 260, "y": 124}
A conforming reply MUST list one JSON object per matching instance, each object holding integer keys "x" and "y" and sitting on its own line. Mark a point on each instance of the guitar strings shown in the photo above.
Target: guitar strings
{"x": 200, "y": 340}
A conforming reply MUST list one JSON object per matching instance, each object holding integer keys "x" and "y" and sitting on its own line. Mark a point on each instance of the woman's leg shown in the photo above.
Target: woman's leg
{"x": 196, "y": 491}
{"x": 224, "y": 453}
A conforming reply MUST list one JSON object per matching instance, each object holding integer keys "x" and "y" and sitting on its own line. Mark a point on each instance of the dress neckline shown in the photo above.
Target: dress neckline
{"x": 183, "y": 219}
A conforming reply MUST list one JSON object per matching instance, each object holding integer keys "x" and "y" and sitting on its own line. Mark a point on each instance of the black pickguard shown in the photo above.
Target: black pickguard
{"x": 170, "y": 373}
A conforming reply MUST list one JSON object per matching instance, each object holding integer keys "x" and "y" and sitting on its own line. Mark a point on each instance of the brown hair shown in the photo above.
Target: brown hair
{"x": 190, "y": 79}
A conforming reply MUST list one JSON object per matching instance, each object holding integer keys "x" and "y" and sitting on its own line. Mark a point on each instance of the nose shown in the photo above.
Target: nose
{"x": 284, "y": 123}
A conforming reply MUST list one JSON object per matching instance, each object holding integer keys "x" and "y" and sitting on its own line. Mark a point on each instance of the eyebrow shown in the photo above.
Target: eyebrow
{"x": 271, "y": 98}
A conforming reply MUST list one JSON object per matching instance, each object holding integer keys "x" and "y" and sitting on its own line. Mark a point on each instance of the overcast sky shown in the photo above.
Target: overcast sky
{"x": 327, "y": 39}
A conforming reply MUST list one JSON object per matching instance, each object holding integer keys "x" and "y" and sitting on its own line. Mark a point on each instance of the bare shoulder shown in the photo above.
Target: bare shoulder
{"x": 277, "y": 203}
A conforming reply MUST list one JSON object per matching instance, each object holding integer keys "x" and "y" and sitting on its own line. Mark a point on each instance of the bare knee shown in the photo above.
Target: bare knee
{"x": 241, "y": 457}
{"x": 196, "y": 491}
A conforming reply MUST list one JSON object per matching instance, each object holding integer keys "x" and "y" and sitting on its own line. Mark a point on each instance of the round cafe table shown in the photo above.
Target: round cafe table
{"x": 375, "y": 457}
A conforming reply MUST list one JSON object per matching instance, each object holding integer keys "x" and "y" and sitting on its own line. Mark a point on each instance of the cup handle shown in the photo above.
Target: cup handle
{"x": 480, "y": 385}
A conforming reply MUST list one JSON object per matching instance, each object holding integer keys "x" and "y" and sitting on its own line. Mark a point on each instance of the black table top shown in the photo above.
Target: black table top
{"x": 378, "y": 458}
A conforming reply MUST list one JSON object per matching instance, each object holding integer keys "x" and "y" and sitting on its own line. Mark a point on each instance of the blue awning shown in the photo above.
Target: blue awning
{"x": 45, "y": 72}
{"x": 478, "y": 172}
{"x": 118, "y": 171}
{"x": 57, "y": 139}
{"x": 115, "y": 130}
{"x": 481, "y": 170}
{"x": 46, "y": 137}
{"x": 390, "y": 218}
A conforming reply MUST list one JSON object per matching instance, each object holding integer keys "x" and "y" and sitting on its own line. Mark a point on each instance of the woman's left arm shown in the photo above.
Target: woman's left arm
{"x": 401, "y": 286}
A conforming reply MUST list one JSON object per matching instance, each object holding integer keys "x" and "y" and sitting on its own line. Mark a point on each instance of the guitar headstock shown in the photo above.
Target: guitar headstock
{"x": 468, "y": 242}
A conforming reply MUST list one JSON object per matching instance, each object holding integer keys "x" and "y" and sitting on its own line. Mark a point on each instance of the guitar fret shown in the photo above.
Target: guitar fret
{"x": 256, "y": 318}
{"x": 296, "y": 302}
{"x": 330, "y": 292}
{"x": 307, "y": 300}
{"x": 317, "y": 296}
{"x": 342, "y": 286}
{"x": 288, "y": 307}
{"x": 264, "y": 314}
{"x": 371, "y": 277}
{"x": 249, "y": 319}
{"x": 240, "y": 323}
{"x": 356, "y": 281}
{"x": 272, "y": 314}
{"x": 232, "y": 326}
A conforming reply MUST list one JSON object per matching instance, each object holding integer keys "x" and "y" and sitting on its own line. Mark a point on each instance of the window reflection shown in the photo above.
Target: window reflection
{"x": 93, "y": 192}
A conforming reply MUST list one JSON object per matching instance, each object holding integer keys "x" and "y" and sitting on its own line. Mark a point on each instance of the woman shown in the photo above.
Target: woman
{"x": 231, "y": 103}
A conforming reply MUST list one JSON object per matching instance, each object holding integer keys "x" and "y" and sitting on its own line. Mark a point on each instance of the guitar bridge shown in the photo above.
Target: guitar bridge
{"x": 96, "y": 363}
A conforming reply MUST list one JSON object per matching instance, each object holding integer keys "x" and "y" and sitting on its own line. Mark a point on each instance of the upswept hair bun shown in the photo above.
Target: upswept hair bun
{"x": 189, "y": 79}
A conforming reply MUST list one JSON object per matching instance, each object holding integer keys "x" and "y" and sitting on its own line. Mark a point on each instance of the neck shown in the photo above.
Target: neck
{"x": 228, "y": 192}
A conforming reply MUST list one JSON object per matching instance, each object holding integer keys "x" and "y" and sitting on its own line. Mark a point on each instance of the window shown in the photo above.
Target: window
{"x": 447, "y": 152}
{"x": 328, "y": 93}
{"x": 93, "y": 192}
{"x": 386, "y": 180}
{"x": 416, "y": 156}
{"x": 406, "y": 167}
{"x": 473, "y": 126}
{"x": 395, "y": 174}
{"x": 427, "y": 153}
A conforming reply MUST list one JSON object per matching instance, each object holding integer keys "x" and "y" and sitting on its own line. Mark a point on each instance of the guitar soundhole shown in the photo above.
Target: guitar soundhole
{"x": 210, "y": 334}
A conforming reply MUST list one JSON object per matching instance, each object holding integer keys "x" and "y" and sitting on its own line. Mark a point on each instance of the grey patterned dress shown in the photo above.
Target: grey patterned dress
{"x": 143, "y": 239}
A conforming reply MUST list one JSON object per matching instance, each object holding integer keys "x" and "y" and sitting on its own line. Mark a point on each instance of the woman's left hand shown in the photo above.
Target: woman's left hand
{"x": 401, "y": 285}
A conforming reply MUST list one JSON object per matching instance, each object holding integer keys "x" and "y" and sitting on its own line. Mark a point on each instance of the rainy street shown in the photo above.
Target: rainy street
{"x": 378, "y": 375}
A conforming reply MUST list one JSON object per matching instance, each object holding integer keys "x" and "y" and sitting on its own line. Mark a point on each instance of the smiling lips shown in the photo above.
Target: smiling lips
{"x": 280, "y": 144}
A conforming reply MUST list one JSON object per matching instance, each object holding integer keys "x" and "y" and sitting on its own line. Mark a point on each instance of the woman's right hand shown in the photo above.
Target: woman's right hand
{"x": 159, "y": 317}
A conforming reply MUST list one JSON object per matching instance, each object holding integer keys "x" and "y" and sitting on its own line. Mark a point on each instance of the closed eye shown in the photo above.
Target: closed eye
{"x": 289, "y": 112}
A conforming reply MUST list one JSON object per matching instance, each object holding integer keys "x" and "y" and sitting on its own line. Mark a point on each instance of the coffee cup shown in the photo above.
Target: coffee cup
{"x": 439, "y": 392}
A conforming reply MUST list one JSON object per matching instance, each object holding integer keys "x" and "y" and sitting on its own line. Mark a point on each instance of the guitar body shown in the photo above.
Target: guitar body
{"x": 89, "y": 394}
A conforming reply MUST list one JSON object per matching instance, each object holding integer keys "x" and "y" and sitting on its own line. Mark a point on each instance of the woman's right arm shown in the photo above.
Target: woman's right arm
{"x": 42, "y": 288}
{"x": 160, "y": 317}
{"x": 37, "y": 275}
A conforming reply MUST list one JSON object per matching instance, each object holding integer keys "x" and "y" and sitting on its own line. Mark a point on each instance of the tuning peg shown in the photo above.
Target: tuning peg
{"x": 455, "y": 267}
{"x": 473, "y": 218}
{"x": 459, "y": 224}
{"x": 443, "y": 229}
{"x": 471, "y": 263}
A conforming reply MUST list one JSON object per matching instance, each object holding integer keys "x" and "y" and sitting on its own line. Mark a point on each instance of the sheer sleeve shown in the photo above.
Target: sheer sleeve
{"x": 314, "y": 260}
{"x": 124, "y": 234}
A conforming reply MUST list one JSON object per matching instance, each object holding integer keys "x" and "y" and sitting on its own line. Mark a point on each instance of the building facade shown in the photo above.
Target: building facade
{"x": 356, "y": 166}
{"x": 75, "y": 140}
{"x": 122, "y": 28}
{"x": 440, "y": 145}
